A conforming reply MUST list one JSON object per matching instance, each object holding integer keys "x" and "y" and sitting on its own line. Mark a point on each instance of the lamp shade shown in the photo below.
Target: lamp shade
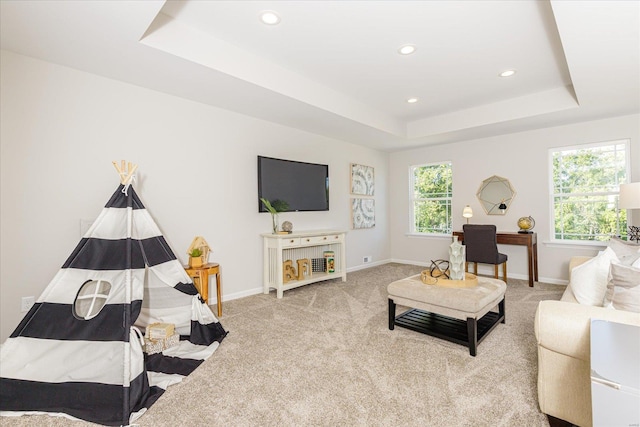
{"x": 630, "y": 196}
{"x": 467, "y": 212}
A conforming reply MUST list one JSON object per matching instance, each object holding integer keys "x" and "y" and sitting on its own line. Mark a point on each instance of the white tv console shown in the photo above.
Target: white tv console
{"x": 299, "y": 245}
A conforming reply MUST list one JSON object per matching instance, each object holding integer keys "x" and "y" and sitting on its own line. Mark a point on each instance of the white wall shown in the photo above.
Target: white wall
{"x": 61, "y": 129}
{"x": 523, "y": 159}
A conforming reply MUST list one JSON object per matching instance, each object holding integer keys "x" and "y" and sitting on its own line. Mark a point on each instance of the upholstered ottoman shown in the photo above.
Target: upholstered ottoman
{"x": 461, "y": 315}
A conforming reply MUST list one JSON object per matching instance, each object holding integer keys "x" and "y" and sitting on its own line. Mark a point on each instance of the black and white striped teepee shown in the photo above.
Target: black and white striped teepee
{"x": 79, "y": 351}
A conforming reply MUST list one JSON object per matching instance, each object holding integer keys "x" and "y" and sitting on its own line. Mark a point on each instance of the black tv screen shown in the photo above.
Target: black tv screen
{"x": 304, "y": 186}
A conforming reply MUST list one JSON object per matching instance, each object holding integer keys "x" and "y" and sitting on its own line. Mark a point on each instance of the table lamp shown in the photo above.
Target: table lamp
{"x": 467, "y": 212}
{"x": 630, "y": 199}
{"x": 503, "y": 207}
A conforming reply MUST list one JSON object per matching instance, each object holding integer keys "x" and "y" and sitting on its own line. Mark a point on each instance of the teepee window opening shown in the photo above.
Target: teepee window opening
{"x": 91, "y": 298}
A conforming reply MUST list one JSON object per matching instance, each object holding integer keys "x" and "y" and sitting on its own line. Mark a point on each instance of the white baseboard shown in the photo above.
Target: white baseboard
{"x": 553, "y": 281}
{"x": 404, "y": 261}
{"x": 367, "y": 265}
{"x": 235, "y": 295}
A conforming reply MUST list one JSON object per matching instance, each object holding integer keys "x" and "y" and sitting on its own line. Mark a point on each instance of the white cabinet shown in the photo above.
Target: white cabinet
{"x": 615, "y": 373}
{"x": 311, "y": 245}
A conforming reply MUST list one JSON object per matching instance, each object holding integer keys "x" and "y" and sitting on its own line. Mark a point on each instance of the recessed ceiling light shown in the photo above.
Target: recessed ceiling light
{"x": 407, "y": 49}
{"x": 269, "y": 17}
{"x": 507, "y": 73}
{"x": 412, "y": 100}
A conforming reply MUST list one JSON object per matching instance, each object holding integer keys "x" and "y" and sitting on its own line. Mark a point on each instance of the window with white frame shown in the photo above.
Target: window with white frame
{"x": 431, "y": 191}
{"x": 585, "y": 182}
{"x": 91, "y": 299}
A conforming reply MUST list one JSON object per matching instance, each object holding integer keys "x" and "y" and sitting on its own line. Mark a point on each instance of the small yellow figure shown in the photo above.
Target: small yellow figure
{"x": 288, "y": 271}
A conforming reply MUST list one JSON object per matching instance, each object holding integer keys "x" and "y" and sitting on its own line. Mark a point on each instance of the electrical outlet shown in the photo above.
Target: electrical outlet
{"x": 366, "y": 259}
{"x": 27, "y": 303}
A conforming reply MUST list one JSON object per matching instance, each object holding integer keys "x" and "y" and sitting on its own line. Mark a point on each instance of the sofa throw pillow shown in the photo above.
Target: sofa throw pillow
{"x": 623, "y": 289}
{"x": 589, "y": 280}
{"x": 626, "y": 252}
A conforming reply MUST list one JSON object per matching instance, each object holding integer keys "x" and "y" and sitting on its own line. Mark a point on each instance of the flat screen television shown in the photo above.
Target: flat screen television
{"x": 304, "y": 186}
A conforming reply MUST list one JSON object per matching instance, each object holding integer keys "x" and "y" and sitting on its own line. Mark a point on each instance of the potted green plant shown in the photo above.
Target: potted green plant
{"x": 275, "y": 207}
{"x": 195, "y": 258}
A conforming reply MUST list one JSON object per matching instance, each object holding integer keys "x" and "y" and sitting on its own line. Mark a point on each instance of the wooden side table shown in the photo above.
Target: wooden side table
{"x": 200, "y": 276}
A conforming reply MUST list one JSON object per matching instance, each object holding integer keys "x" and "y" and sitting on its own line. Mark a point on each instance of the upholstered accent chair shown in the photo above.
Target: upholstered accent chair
{"x": 482, "y": 247}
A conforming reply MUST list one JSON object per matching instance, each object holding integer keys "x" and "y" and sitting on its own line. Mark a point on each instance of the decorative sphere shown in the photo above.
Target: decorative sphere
{"x": 287, "y": 226}
{"x": 526, "y": 223}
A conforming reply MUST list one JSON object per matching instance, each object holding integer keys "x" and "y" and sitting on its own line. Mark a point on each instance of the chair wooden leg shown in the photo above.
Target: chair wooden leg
{"x": 495, "y": 274}
{"x": 475, "y": 268}
{"x": 504, "y": 271}
{"x": 466, "y": 267}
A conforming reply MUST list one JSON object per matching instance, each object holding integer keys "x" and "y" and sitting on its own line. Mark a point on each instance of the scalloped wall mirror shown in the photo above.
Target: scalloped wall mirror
{"x": 495, "y": 195}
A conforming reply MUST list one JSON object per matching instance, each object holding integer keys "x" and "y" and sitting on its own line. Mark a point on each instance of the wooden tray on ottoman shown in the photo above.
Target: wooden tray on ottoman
{"x": 470, "y": 280}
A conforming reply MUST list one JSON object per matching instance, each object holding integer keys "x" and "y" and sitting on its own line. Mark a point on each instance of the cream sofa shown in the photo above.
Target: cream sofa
{"x": 562, "y": 330}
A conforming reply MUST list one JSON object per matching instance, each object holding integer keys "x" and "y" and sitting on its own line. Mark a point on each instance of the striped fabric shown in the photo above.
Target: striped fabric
{"x": 58, "y": 363}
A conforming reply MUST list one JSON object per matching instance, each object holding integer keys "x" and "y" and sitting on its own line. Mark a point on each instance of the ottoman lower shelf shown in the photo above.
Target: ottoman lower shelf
{"x": 469, "y": 333}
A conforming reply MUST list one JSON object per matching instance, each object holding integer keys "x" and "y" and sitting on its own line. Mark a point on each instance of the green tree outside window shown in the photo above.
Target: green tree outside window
{"x": 431, "y": 194}
{"x": 586, "y": 183}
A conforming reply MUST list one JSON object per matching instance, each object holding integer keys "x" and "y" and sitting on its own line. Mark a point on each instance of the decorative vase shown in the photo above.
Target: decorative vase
{"x": 287, "y": 226}
{"x": 274, "y": 219}
{"x": 456, "y": 260}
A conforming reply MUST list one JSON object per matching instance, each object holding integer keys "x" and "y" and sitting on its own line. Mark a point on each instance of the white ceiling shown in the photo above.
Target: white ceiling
{"x": 332, "y": 67}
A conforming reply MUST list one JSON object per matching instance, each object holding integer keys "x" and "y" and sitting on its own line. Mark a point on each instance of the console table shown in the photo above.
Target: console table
{"x": 301, "y": 245}
{"x": 530, "y": 240}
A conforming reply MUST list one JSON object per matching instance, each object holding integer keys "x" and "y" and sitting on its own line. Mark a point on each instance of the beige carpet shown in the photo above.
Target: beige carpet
{"x": 324, "y": 356}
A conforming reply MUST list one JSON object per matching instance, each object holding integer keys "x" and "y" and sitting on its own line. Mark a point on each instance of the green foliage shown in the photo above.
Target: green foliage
{"x": 275, "y": 206}
{"x": 432, "y": 217}
{"x": 432, "y": 192}
{"x": 585, "y": 186}
{"x": 280, "y": 205}
{"x": 195, "y": 253}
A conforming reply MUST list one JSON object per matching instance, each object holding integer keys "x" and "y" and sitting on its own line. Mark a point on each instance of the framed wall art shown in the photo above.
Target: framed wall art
{"x": 362, "y": 180}
{"x": 363, "y": 213}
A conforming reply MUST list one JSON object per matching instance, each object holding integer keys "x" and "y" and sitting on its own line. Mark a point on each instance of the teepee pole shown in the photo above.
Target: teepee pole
{"x": 125, "y": 170}
{"x": 128, "y": 286}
